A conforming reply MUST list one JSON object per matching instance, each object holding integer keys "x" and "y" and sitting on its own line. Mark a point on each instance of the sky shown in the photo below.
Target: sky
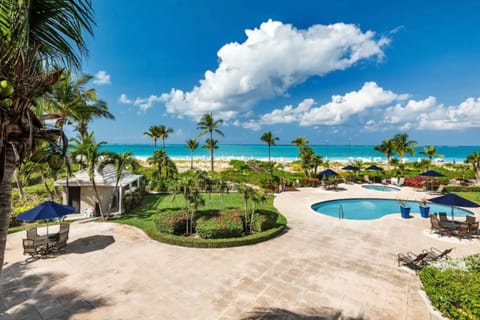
{"x": 335, "y": 71}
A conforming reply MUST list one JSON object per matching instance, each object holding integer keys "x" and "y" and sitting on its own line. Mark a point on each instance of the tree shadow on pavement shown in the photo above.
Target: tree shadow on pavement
{"x": 89, "y": 244}
{"x": 309, "y": 314}
{"x": 40, "y": 296}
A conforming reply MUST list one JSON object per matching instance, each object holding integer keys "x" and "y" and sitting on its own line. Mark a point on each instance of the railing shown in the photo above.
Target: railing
{"x": 340, "y": 212}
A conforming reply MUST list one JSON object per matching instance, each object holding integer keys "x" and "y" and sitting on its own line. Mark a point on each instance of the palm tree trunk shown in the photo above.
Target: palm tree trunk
{"x": 98, "y": 199}
{"x": 163, "y": 144}
{"x": 19, "y": 185}
{"x": 6, "y": 201}
{"x": 191, "y": 161}
{"x": 269, "y": 153}
{"x": 251, "y": 218}
{"x": 51, "y": 194}
{"x": 211, "y": 151}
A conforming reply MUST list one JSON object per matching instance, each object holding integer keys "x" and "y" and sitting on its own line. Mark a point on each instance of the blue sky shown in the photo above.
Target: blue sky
{"x": 326, "y": 70}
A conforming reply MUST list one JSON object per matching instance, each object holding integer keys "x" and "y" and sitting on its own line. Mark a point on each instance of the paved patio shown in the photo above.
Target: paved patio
{"x": 322, "y": 266}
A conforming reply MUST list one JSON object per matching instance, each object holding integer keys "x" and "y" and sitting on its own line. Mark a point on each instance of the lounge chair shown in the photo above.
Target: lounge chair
{"x": 412, "y": 260}
{"x": 366, "y": 179}
{"x": 439, "y": 190}
{"x": 394, "y": 181}
{"x": 401, "y": 181}
{"x": 435, "y": 254}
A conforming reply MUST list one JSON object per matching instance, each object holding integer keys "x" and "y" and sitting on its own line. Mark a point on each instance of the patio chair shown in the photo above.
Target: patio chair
{"x": 34, "y": 245}
{"x": 435, "y": 254}
{"x": 401, "y": 181}
{"x": 436, "y": 227}
{"x": 470, "y": 219}
{"x": 463, "y": 231}
{"x": 60, "y": 244}
{"x": 443, "y": 217}
{"x": 412, "y": 260}
{"x": 64, "y": 227}
{"x": 473, "y": 229}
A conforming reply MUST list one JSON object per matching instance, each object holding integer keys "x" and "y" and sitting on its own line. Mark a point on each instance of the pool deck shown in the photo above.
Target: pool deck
{"x": 321, "y": 266}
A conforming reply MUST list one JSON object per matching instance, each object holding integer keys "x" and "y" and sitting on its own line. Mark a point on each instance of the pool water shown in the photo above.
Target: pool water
{"x": 378, "y": 187}
{"x": 369, "y": 208}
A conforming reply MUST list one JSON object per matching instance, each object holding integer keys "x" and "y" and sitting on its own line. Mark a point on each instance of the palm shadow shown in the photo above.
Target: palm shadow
{"x": 310, "y": 314}
{"x": 30, "y": 296}
{"x": 89, "y": 244}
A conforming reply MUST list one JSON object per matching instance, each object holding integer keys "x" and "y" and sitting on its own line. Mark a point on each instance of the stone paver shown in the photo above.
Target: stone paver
{"x": 320, "y": 266}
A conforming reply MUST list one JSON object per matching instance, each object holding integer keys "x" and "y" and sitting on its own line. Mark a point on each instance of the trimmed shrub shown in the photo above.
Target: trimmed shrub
{"x": 309, "y": 182}
{"x": 453, "y": 287}
{"x": 449, "y": 189}
{"x": 264, "y": 220}
{"x": 172, "y": 222}
{"x": 220, "y": 226}
{"x": 133, "y": 199}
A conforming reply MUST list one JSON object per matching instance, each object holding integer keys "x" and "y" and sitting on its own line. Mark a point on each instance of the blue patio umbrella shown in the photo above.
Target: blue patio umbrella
{"x": 351, "y": 168}
{"x": 374, "y": 168}
{"x": 451, "y": 199}
{"x": 46, "y": 211}
{"x": 431, "y": 173}
{"x": 328, "y": 173}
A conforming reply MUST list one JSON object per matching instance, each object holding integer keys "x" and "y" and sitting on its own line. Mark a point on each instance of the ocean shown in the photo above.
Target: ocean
{"x": 341, "y": 153}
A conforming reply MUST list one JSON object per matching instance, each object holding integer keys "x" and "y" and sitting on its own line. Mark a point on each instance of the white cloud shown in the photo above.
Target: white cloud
{"x": 465, "y": 115}
{"x": 273, "y": 58}
{"x": 405, "y": 114}
{"x": 124, "y": 99}
{"x": 102, "y": 78}
{"x": 249, "y": 124}
{"x": 288, "y": 114}
{"x": 146, "y": 103}
{"x": 341, "y": 108}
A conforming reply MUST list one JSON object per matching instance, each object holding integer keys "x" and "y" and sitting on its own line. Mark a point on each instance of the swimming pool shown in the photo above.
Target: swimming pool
{"x": 378, "y": 187}
{"x": 371, "y": 208}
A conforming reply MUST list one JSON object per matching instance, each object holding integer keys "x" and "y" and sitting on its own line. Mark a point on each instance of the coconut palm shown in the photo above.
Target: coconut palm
{"x": 35, "y": 35}
{"x": 256, "y": 196}
{"x": 223, "y": 187}
{"x": 211, "y": 145}
{"x": 270, "y": 140}
{"x": 154, "y": 133}
{"x": 208, "y": 125}
{"x": 163, "y": 133}
{"x": 90, "y": 150}
{"x": 159, "y": 159}
{"x": 88, "y": 112}
{"x": 403, "y": 145}
{"x": 245, "y": 191}
{"x": 387, "y": 147}
{"x": 474, "y": 160}
{"x": 300, "y": 141}
{"x": 430, "y": 152}
{"x": 121, "y": 162}
{"x": 192, "y": 145}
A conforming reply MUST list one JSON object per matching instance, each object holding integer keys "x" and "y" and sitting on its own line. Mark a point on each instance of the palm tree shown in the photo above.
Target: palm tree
{"x": 91, "y": 151}
{"x": 159, "y": 159}
{"x": 154, "y": 133}
{"x": 192, "y": 145}
{"x": 246, "y": 192}
{"x": 211, "y": 145}
{"x": 86, "y": 113}
{"x": 270, "y": 140}
{"x": 208, "y": 125}
{"x": 403, "y": 145}
{"x": 430, "y": 152}
{"x": 35, "y": 35}
{"x": 163, "y": 133}
{"x": 222, "y": 185}
{"x": 300, "y": 141}
{"x": 256, "y": 197}
{"x": 387, "y": 147}
{"x": 121, "y": 162}
{"x": 474, "y": 160}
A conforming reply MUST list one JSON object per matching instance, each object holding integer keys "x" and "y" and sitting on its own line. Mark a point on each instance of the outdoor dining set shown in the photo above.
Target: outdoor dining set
{"x": 36, "y": 245}
{"x": 462, "y": 229}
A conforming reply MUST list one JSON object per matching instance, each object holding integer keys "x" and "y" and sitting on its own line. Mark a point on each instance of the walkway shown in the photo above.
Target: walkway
{"x": 321, "y": 266}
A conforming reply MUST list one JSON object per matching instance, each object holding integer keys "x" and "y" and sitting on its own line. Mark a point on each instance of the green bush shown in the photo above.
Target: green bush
{"x": 449, "y": 189}
{"x": 453, "y": 287}
{"x": 172, "y": 222}
{"x": 264, "y": 220}
{"x": 239, "y": 165}
{"x": 133, "y": 199}
{"x": 220, "y": 226}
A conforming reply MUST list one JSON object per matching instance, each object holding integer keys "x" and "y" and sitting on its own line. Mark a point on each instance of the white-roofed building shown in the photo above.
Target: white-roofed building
{"x": 78, "y": 190}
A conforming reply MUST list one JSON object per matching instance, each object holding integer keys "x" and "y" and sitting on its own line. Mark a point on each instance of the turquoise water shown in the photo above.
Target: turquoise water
{"x": 380, "y": 188}
{"x": 368, "y": 209}
{"x": 287, "y": 152}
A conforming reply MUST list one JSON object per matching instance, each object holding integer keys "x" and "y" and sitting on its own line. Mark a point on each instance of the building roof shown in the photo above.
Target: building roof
{"x": 105, "y": 177}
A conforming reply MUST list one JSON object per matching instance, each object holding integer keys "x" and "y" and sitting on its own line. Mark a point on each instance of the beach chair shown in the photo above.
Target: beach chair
{"x": 412, "y": 260}
{"x": 439, "y": 190}
{"x": 435, "y": 254}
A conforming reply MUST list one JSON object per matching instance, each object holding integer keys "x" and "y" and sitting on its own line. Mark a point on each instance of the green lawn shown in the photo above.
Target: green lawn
{"x": 153, "y": 204}
{"x": 472, "y": 196}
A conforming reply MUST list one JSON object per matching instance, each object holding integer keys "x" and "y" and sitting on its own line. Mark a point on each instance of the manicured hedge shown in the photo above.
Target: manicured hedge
{"x": 218, "y": 226}
{"x": 172, "y": 222}
{"x": 449, "y": 189}
{"x": 219, "y": 243}
{"x": 453, "y": 287}
{"x": 264, "y": 220}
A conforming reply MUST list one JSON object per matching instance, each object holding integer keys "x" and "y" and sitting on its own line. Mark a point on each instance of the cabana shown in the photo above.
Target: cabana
{"x": 78, "y": 190}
